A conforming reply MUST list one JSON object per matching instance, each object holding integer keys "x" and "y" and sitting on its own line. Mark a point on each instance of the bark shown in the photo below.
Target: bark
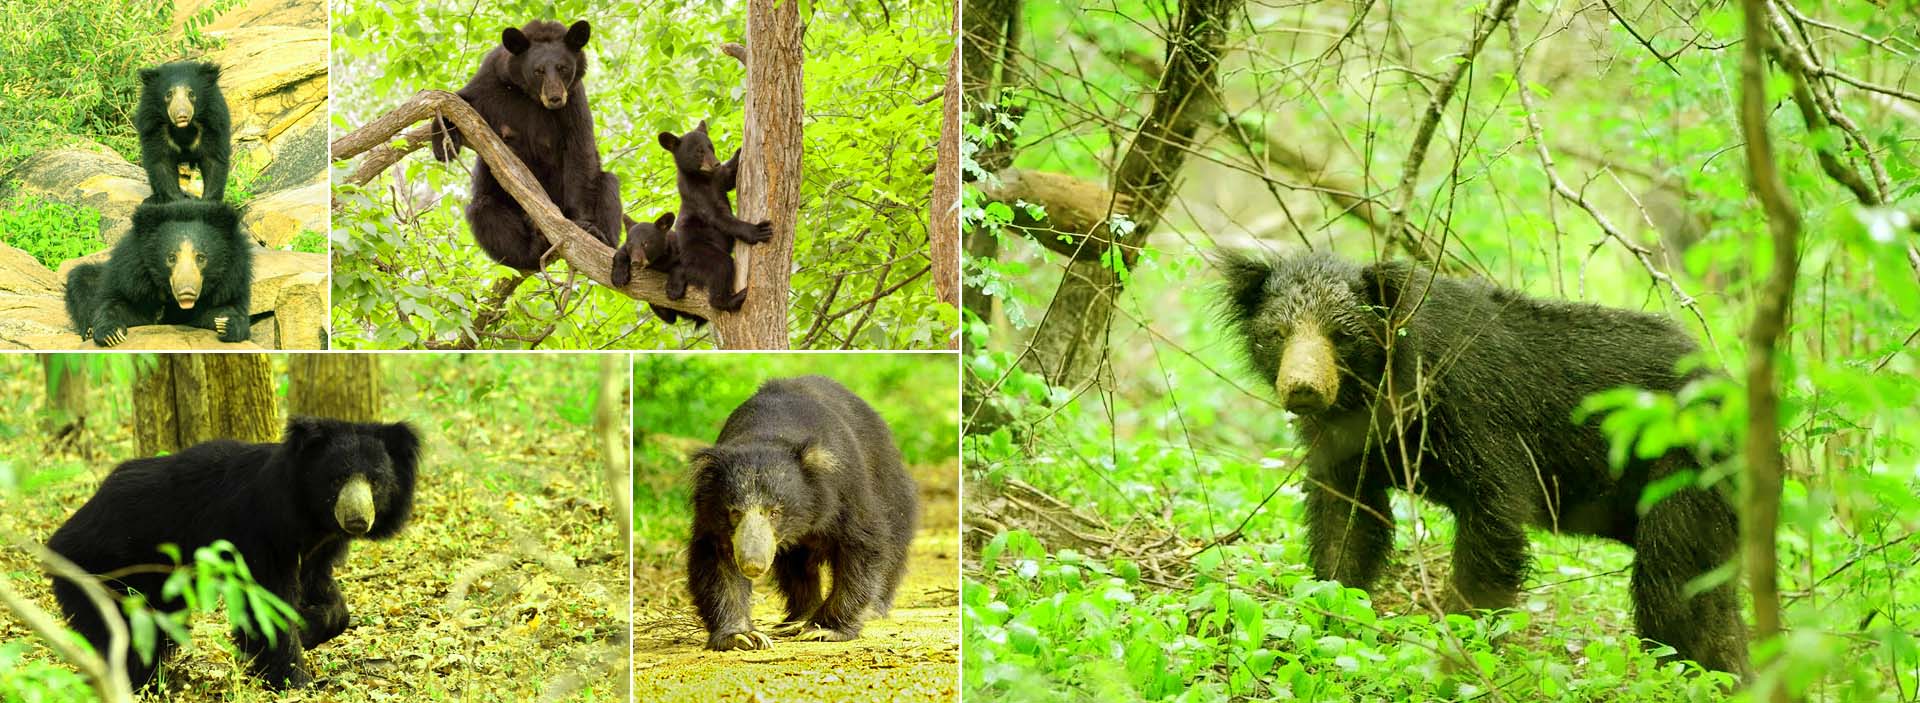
{"x": 943, "y": 224}
{"x": 1072, "y": 340}
{"x": 339, "y": 386}
{"x": 989, "y": 31}
{"x": 612, "y": 421}
{"x": 1760, "y": 516}
{"x": 181, "y": 400}
{"x": 582, "y": 251}
{"x": 65, "y": 414}
{"x": 770, "y": 161}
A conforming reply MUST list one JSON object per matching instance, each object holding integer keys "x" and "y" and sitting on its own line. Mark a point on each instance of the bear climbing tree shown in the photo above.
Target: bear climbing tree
{"x": 769, "y": 180}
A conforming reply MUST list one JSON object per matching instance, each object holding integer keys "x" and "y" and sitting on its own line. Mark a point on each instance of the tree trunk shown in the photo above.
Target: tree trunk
{"x": 65, "y": 412}
{"x": 769, "y": 175}
{"x": 1760, "y": 513}
{"x": 1072, "y": 339}
{"x": 180, "y": 400}
{"x": 943, "y": 225}
{"x": 612, "y": 421}
{"x": 339, "y": 386}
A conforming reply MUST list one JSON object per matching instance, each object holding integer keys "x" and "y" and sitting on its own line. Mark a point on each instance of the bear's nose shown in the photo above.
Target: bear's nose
{"x": 1305, "y": 400}
{"x": 357, "y": 525}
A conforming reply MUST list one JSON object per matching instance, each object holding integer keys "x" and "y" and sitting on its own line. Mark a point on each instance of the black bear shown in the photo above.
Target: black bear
{"x": 652, "y": 245}
{"x": 1464, "y": 392}
{"x": 289, "y": 509}
{"x": 707, "y": 227}
{"x": 184, "y": 262}
{"x": 529, "y": 89}
{"x": 804, "y": 475}
{"x": 182, "y": 119}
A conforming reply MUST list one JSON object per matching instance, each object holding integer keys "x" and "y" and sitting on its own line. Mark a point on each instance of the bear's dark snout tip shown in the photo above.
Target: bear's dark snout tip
{"x": 1305, "y": 400}
{"x": 357, "y": 526}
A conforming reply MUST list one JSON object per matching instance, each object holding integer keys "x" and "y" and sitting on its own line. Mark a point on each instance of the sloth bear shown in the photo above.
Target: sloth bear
{"x": 184, "y": 262}
{"x": 182, "y": 119}
{"x": 530, "y": 90}
{"x": 1464, "y": 393}
{"x": 707, "y": 228}
{"x": 288, "y": 508}
{"x": 805, "y": 474}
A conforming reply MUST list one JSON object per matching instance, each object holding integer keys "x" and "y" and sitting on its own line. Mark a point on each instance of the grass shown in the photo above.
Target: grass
{"x": 51, "y": 231}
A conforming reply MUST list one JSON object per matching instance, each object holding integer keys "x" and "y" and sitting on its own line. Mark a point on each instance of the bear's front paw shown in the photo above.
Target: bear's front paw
{"x": 728, "y": 302}
{"x": 821, "y": 634}
{"x": 290, "y": 678}
{"x": 231, "y": 328}
{"x": 110, "y": 335}
{"x": 749, "y": 640}
{"x": 788, "y": 628}
{"x": 761, "y": 232}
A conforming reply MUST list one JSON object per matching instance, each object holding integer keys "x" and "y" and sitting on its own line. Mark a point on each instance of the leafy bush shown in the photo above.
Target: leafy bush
{"x": 51, "y": 231}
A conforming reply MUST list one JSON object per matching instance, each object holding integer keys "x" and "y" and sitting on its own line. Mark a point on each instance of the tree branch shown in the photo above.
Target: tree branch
{"x": 586, "y": 254}
{"x": 107, "y": 673}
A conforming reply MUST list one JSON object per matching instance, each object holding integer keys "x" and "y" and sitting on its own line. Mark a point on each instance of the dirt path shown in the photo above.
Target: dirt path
{"x": 912, "y": 655}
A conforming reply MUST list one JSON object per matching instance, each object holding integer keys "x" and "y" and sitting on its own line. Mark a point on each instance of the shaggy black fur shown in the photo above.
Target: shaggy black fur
{"x": 182, "y": 119}
{"x": 707, "y": 228}
{"x": 804, "y": 475}
{"x": 1464, "y": 393}
{"x": 184, "y": 262}
{"x": 285, "y": 507}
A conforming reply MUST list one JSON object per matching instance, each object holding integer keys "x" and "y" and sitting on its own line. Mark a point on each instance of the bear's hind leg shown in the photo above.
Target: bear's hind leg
{"x": 859, "y": 574}
{"x": 503, "y": 232}
{"x": 797, "y": 569}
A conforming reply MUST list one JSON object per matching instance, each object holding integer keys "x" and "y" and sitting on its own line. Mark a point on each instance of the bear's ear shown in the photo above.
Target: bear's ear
{"x": 665, "y": 222}
{"x": 669, "y": 141}
{"x": 703, "y": 460}
{"x": 148, "y": 74}
{"x": 223, "y": 217}
{"x": 1382, "y": 283}
{"x": 578, "y": 34}
{"x": 1244, "y": 281}
{"x": 305, "y": 434}
{"x": 209, "y": 73}
{"x": 816, "y": 459}
{"x": 403, "y": 448}
{"x": 515, "y": 40}
{"x": 701, "y": 128}
{"x": 148, "y": 216}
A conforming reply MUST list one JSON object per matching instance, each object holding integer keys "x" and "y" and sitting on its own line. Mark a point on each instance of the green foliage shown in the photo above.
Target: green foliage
{"x": 1183, "y": 448}
{"x": 407, "y": 272}
{"x": 51, "y": 231}
{"x": 309, "y": 241}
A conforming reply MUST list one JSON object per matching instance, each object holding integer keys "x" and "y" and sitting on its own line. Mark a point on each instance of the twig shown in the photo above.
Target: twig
{"x": 107, "y": 674}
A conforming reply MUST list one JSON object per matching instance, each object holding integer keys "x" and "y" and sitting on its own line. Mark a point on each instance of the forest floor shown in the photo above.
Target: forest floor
{"x": 911, "y": 655}
{"x": 505, "y": 585}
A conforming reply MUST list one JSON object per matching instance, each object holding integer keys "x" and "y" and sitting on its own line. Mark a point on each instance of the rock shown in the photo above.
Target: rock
{"x": 275, "y": 219}
{"x": 299, "y": 157}
{"x": 300, "y": 313}
{"x": 275, "y": 271}
{"x": 275, "y": 83}
{"x": 87, "y": 176}
{"x": 255, "y": 14}
{"x": 35, "y": 322}
{"x": 21, "y": 274}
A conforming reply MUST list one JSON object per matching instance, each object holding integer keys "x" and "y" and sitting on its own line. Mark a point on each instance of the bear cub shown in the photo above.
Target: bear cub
{"x": 182, "y": 119}
{"x": 184, "y": 262}
{"x": 653, "y": 246}
{"x": 1464, "y": 393}
{"x": 707, "y": 228}
{"x": 289, "y": 508}
{"x": 805, "y": 474}
{"x": 529, "y": 90}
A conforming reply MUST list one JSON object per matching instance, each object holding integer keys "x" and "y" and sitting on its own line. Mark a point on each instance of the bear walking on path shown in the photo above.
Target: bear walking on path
{"x": 182, "y": 119}
{"x": 288, "y": 508}
{"x": 529, "y": 89}
{"x": 1465, "y": 393}
{"x": 805, "y": 475}
{"x": 184, "y": 262}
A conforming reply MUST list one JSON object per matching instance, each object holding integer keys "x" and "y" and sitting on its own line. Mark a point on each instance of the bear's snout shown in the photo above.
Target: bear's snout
{"x": 753, "y": 543}
{"x": 1309, "y": 376}
{"x": 353, "y": 509}
{"x": 553, "y": 93}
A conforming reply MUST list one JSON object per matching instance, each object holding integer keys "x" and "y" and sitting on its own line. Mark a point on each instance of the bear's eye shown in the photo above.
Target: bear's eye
{"x": 172, "y": 258}
{"x": 200, "y": 259}
{"x": 735, "y": 514}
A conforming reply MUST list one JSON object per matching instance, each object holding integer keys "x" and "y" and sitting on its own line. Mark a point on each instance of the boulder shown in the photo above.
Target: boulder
{"x": 255, "y": 14}
{"x": 21, "y": 274}
{"x": 88, "y": 176}
{"x": 282, "y": 280}
{"x": 275, "y": 83}
{"x": 275, "y": 219}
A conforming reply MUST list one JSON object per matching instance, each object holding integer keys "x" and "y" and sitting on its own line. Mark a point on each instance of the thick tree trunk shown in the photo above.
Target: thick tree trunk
{"x": 1072, "y": 340}
{"x": 612, "y": 421}
{"x": 180, "y": 400}
{"x": 65, "y": 413}
{"x": 769, "y": 175}
{"x": 943, "y": 225}
{"x": 339, "y": 386}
